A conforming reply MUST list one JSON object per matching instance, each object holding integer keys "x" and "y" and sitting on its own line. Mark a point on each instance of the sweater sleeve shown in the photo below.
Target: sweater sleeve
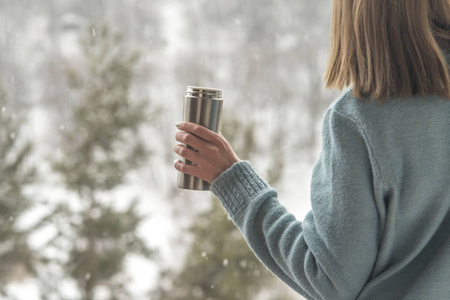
{"x": 330, "y": 255}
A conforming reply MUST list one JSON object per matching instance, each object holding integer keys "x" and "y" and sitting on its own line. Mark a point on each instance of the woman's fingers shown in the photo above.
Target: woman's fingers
{"x": 194, "y": 171}
{"x": 189, "y": 139}
{"x": 185, "y": 168}
{"x": 185, "y": 152}
{"x": 198, "y": 130}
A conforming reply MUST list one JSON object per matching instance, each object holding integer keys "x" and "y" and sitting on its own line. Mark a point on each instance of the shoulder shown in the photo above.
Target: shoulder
{"x": 345, "y": 121}
{"x": 393, "y": 111}
{"x": 392, "y": 130}
{"x": 347, "y": 113}
{"x": 373, "y": 116}
{"x": 356, "y": 126}
{"x": 358, "y": 110}
{"x": 360, "y": 120}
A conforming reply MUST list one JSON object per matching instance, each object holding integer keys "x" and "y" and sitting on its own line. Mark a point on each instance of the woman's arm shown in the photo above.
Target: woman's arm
{"x": 330, "y": 255}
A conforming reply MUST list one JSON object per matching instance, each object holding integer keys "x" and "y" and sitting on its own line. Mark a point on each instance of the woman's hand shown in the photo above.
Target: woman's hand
{"x": 214, "y": 154}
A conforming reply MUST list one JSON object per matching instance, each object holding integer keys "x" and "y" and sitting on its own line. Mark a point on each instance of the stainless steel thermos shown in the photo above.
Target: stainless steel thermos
{"x": 204, "y": 107}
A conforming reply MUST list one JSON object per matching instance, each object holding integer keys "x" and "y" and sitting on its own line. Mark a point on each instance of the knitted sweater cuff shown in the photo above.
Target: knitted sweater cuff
{"x": 237, "y": 186}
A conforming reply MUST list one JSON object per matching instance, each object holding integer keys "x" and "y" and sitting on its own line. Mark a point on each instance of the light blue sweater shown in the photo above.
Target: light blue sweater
{"x": 379, "y": 227}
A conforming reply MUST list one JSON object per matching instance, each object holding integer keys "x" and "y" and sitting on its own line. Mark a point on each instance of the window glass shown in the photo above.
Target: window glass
{"x": 90, "y": 92}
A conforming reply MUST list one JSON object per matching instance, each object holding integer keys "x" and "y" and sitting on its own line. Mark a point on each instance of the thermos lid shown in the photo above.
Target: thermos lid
{"x": 204, "y": 92}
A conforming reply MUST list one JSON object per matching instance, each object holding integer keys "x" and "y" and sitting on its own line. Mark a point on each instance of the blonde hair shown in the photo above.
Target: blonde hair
{"x": 390, "y": 48}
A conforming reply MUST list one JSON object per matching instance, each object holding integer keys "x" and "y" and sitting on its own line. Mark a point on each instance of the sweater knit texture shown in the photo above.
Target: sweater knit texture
{"x": 379, "y": 227}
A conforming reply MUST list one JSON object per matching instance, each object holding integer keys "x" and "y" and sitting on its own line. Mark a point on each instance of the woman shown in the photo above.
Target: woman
{"x": 379, "y": 227}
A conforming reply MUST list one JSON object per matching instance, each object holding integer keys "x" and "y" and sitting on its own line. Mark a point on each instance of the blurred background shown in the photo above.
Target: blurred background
{"x": 90, "y": 92}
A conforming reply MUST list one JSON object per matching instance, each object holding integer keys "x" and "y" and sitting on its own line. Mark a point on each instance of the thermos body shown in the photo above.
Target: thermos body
{"x": 202, "y": 106}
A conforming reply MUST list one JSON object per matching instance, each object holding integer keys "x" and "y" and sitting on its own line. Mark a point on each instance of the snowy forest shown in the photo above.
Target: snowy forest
{"x": 90, "y": 92}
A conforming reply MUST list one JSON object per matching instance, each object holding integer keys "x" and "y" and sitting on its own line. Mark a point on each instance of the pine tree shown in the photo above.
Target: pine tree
{"x": 16, "y": 258}
{"x": 99, "y": 147}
